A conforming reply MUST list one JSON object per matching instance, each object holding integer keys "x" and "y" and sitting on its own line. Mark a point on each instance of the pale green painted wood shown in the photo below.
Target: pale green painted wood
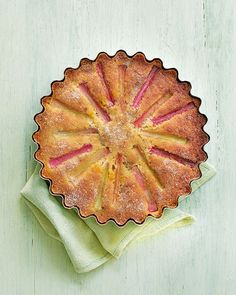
{"x": 38, "y": 40}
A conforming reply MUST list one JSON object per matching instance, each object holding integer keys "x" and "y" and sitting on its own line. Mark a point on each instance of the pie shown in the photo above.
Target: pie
{"x": 120, "y": 138}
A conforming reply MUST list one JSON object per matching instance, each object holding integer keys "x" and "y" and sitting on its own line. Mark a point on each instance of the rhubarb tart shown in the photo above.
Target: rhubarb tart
{"x": 120, "y": 138}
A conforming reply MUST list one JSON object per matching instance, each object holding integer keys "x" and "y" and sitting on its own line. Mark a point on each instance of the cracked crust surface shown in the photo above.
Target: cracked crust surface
{"x": 120, "y": 138}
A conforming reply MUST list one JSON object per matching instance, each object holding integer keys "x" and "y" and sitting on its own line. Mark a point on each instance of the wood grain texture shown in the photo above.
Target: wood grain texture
{"x": 38, "y": 40}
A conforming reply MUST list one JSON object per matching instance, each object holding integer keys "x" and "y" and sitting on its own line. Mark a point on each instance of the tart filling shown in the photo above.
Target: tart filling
{"x": 120, "y": 138}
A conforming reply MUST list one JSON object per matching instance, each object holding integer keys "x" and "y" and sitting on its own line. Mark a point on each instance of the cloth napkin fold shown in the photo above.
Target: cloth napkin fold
{"x": 88, "y": 243}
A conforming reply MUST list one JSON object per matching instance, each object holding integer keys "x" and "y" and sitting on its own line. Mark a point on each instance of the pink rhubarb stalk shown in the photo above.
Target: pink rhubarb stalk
{"x": 168, "y": 116}
{"x": 119, "y": 159}
{"x": 144, "y": 87}
{"x": 165, "y": 154}
{"x": 152, "y": 206}
{"x": 99, "y": 110}
{"x": 122, "y": 71}
{"x": 139, "y": 121}
{"x": 101, "y": 75}
{"x": 139, "y": 177}
{"x": 88, "y": 131}
{"x": 54, "y": 162}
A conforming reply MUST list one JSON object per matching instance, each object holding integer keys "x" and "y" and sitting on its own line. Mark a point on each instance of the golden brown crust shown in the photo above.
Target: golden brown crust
{"x": 120, "y": 138}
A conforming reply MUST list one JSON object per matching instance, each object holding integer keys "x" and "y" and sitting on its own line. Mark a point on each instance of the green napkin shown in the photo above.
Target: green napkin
{"x": 88, "y": 243}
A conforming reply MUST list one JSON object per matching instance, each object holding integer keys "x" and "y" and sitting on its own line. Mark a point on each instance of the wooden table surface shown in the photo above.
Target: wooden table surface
{"x": 38, "y": 40}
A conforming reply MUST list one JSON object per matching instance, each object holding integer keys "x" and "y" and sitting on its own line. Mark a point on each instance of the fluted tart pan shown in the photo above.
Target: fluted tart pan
{"x": 120, "y": 138}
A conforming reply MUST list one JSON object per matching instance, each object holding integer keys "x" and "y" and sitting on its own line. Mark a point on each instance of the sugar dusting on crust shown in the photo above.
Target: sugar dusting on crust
{"x": 134, "y": 204}
{"x": 75, "y": 95}
{"x": 116, "y": 134}
{"x": 71, "y": 199}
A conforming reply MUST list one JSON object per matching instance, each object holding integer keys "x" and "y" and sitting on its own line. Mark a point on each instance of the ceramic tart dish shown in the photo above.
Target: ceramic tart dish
{"x": 120, "y": 138}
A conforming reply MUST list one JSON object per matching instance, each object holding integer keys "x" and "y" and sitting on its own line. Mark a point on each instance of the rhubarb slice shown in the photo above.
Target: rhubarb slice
{"x": 139, "y": 177}
{"x": 162, "y": 136}
{"x": 143, "y": 89}
{"x": 122, "y": 71}
{"x": 85, "y": 131}
{"x": 165, "y": 154}
{"x": 99, "y": 198}
{"x": 119, "y": 159}
{"x": 152, "y": 206}
{"x": 142, "y": 160}
{"x": 168, "y": 116}
{"x": 86, "y": 163}
{"x": 54, "y": 162}
{"x": 138, "y": 122}
{"x": 100, "y": 71}
{"x": 99, "y": 110}
{"x": 67, "y": 108}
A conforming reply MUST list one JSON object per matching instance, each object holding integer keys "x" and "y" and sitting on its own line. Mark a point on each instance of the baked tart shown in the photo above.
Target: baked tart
{"x": 120, "y": 138}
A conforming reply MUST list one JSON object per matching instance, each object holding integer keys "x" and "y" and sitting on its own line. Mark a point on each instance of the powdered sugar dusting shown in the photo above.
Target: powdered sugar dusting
{"x": 75, "y": 94}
